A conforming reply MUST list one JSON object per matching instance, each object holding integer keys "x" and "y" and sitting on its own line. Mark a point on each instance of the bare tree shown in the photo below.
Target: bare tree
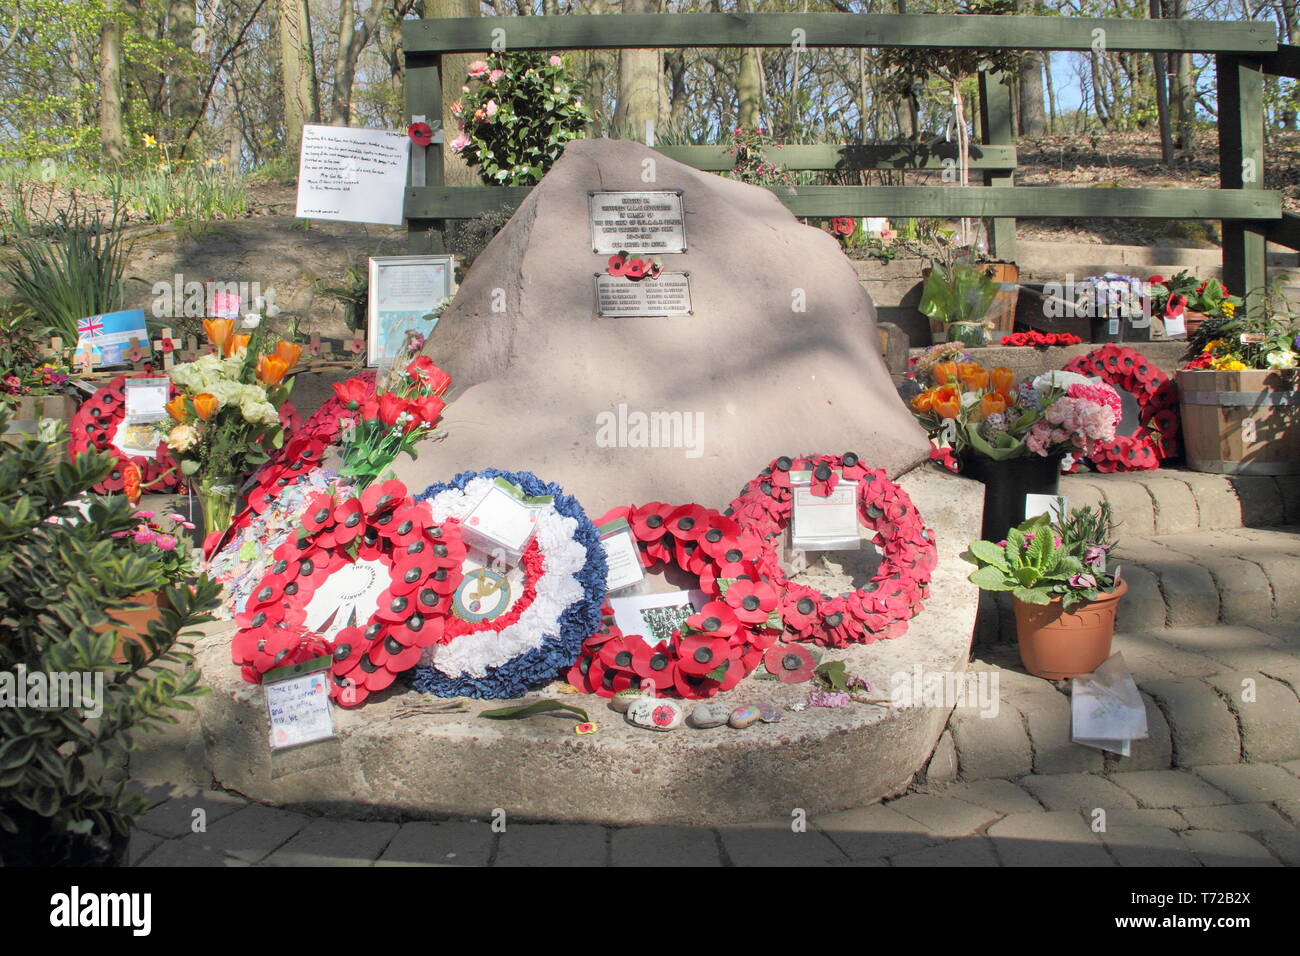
{"x": 298, "y": 72}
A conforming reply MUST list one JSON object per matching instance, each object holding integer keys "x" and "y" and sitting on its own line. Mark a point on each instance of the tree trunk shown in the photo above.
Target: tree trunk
{"x": 454, "y": 69}
{"x": 638, "y": 82}
{"x": 184, "y": 99}
{"x": 749, "y": 83}
{"x": 297, "y": 72}
{"x": 1161, "y": 61}
{"x": 1184, "y": 86}
{"x": 1290, "y": 20}
{"x": 1051, "y": 94}
{"x": 112, "y": 138}
{"x": 1033, "y": 122}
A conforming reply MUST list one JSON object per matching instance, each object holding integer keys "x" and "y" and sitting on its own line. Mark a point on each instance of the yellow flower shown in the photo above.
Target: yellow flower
{"x": 182, "y": 438}
{"x": 1229, "y": 309}
{"x": 149, "y": 141}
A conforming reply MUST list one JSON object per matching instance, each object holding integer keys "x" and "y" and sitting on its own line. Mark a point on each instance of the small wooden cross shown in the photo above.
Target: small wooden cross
{"x": 135, "y": 355}
{"x": 165, "y": 345}
{"x": 85, "y": 357}
{"x": 357, "y": 345}
{"x": 314, "y": 346}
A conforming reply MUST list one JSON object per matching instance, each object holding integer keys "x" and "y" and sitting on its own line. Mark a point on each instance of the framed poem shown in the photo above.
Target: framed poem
{"x": 405, "y": 292}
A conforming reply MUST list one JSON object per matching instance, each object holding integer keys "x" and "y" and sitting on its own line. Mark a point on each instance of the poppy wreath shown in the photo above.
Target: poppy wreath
{"x": 724, "y": 641}
{"x": 384, "y": 525}
{"x": 882, "y": 607}
{"x": 299, "y": 457}
{"x": 537, "y": 637}
{"x": 94, "y": 427}
{"x": 1156, "y": 437}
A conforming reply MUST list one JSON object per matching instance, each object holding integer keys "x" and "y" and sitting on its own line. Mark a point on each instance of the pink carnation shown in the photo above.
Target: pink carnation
{"x": 478, "y": 68}
{"x": 1101, "y": 394}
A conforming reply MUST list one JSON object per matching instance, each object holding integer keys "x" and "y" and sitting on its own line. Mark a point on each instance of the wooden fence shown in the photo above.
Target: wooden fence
{"x": 1244, "y": 53}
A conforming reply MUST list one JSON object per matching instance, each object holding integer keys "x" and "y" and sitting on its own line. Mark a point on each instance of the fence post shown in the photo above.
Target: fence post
{"x": 1241, "y": 166}
{"x": 424, "y": 101}
{"x": 995, "y": 129}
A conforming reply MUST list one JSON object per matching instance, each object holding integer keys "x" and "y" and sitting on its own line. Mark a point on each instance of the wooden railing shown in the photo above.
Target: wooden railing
{"x": 1244, "y": 52}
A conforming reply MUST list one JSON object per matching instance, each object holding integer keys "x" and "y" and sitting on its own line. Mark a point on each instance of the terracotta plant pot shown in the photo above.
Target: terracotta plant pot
{"x": 134, "y": 622}
{"x": 1056, "y": 644}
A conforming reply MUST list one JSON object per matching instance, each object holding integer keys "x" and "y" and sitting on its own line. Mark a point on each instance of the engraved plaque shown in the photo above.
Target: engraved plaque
{"x": 645, "y": 222}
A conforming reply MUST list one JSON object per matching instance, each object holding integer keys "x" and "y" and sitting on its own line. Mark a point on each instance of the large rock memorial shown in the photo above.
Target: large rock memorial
{"x": 777, "y": 356}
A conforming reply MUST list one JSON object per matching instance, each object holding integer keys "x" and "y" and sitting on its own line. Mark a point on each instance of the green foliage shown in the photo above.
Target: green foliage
{"x": 514, "y": 127}
{"x": 469, "y": 237}
{"x": 1043, "y": 559}
{"x": 62, "y": 573}
{"x": 353, "y": 293}
{"x": 72, "y": 272}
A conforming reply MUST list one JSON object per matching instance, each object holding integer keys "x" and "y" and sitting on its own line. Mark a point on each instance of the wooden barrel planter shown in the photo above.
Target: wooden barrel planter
{"x": 1241, "y": 423}
{"x": 28, "y": 411}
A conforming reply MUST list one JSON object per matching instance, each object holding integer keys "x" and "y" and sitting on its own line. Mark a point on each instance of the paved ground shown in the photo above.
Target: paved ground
{"x": 1210, "y": 630}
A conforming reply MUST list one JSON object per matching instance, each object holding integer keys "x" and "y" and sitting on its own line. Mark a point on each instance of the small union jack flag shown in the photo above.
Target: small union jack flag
{"x": 90, "y": 326}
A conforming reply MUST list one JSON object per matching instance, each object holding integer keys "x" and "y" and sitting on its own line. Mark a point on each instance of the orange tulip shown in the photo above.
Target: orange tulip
{"x": 235, "y": 345}
{"x": 289, "y": 352}
{"x": 205, "y": 405}
{"x": 271, "y": 369}
{"x": 977, "y": 380}
{"x": 947, "y": 402}
{"x": 944, "y": 372}
{"x": 1003, "y": 378}
{"x": 992, "y": 403}
{"x": 967, "y": 369}
{"x": 219, "y": 331}
{"x": 924, "y": 402}
{"x": 176, "y": 408}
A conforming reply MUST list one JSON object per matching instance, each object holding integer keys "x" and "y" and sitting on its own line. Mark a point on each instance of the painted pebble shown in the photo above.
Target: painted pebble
{"x": 768, "y": 712}
{"x": 743, "y": 716}
{"x": 709, "y": 714}
{"x": 621, "y": 700}
{"x": 655, "y": 713}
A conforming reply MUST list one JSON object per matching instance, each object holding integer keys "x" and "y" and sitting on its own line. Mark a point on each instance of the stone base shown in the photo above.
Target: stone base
{"x": 388, "y": 763}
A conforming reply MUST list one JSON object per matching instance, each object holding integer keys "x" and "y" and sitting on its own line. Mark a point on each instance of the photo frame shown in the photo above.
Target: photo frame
{"x": 405, "y": 292}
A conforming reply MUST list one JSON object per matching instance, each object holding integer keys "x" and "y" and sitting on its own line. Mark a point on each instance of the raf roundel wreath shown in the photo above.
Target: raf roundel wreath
{"x": 721, "y": 643}
{"x": 383, "y": 535}
{"x": 1156, "y": 436}
{"x": 895, "y": 592}
{"x": 94, "y": 428}
{"x": 510, "y": 630}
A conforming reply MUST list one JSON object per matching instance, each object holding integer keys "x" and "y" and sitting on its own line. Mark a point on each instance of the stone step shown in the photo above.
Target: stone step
{"x": 1215, "y": 697}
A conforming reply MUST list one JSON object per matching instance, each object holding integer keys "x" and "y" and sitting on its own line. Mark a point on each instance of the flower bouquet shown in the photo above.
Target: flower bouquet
{"x": 226, "y": 417}
{"x": 1184, "y": 297}
{"x": 984, "y": 412}
{"x": 381, "y": 423}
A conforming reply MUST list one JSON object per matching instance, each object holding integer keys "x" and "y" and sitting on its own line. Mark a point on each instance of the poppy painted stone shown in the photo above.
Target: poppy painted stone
{"x": 781, "y": 352}
{"x": 710, "y": 714}
{"x": 744, "y": 716}
{"x": 655, "y": 713}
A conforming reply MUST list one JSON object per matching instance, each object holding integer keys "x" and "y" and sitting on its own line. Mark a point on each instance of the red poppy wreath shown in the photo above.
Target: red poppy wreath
{"x": 94, "y": 427}
{"x": 1156, "y": 437}
{"x": 384, "y": 574}
{"x": 721, "y": 643}
{"x": 895, "y": 592}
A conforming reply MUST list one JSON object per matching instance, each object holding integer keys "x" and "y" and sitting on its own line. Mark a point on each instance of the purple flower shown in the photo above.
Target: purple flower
{"x": 1083, "y": 582}
{"x": 1094, "y": 556}
{"x": 828, "y": 698}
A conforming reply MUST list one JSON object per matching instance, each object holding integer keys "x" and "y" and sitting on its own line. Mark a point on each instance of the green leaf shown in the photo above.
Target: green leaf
{"x": 1032, "y": 595}
{"x": 989, "y": 553}
{"x": 536, "y": 707}
{"x": 989, "y": 578}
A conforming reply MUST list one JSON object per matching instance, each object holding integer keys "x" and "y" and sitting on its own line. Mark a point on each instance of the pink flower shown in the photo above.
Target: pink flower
{"x": 554, "y": 60}
{"x": 459, "y": 143}
{"x": 477, "y": 68}
{"x": 457, "y": 108}
{"x": 144, "y": 515}
{"x": 165, "y": 542}
{"x": 143, "y": 535}
{"x": 495, "y": 75}
{"x": 491, "y": 108}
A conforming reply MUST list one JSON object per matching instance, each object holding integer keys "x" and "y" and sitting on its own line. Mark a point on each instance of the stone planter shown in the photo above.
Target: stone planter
{"x": 1056, "y": 644}
{"x": 1241, "y": 423}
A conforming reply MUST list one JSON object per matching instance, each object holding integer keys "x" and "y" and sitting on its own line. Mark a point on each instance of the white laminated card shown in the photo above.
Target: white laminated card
{"x": 621, "y": 555}
{"x": 1106, "y": 708}
{"x": 504, "y": 521}
{"x": 298, "y": 703}
{"x": 824, "y": 524}
{"x": 655, "y": 616}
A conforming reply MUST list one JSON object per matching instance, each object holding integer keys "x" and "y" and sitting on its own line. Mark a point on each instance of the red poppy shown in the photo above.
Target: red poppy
{"x": 688, "y": 522}
{"x": 649, "y": 522}
{"x": 752, "y": 601}
{"x": 617, "y": 265}
{"x": 715, "y": 618}
{"x": 1175, "y": 306}
{"x": 383, "y": 496}
{"x": 701, "y": 654}
{"x": 790, "y": 663}
{"x": 635, "y": 269}
{"x": 843, "y": 225}
{"x": 318, "y": 512}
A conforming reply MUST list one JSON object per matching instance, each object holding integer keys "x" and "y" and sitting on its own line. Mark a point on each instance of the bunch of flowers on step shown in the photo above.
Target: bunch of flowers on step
{"x": 515, "y": 116}
{"x": 982, "y": 411}
{"x": 1268, "y": 339}
{"x": 381, "y": 423}
{"x": 1174, "y": 297}
{"x": 226, "y": 417}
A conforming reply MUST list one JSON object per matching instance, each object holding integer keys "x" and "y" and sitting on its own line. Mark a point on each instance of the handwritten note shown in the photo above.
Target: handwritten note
{"x": 352, "y": 175}
{"x": 299, "y": 708}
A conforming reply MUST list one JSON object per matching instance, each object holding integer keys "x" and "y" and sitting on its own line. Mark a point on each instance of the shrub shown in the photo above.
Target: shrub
{"x": 62, "y": 575}
{"x": 516, "y": 116}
